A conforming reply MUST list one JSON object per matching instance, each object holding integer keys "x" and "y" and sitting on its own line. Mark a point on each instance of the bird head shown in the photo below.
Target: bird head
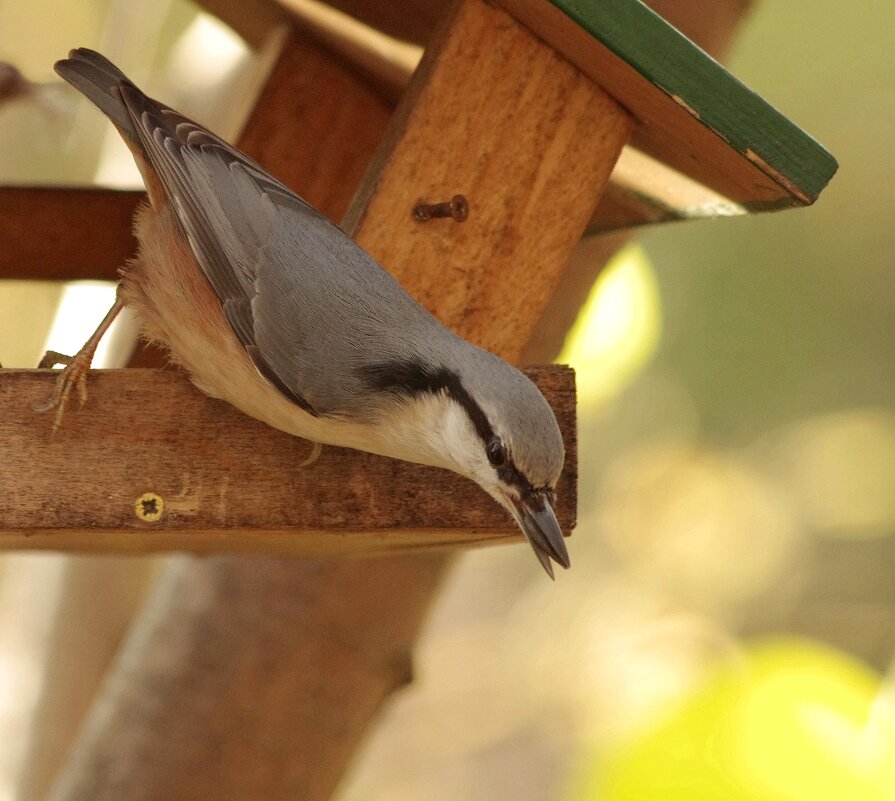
{"x": 484, "y": 419}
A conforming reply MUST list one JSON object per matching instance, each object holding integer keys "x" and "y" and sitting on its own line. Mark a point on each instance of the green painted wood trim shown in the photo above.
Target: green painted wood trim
{"x": 663, "y": 55}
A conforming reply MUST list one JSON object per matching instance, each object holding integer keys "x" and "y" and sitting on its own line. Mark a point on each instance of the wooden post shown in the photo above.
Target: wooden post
{"x": 257, "y": 679}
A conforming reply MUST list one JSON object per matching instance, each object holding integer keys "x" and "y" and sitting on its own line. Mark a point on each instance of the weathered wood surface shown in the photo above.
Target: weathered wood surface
{"x": 250, "y": 679}
{"x": 220, "y": 481}
{"x": 692, "y": 114}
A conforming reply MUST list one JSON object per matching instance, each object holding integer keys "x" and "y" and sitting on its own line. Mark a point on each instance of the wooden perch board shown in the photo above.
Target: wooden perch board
{"x": 147, "y": 442}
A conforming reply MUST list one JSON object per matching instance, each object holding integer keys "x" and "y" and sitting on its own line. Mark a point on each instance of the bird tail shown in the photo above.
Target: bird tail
{"x": 98, "y": 80}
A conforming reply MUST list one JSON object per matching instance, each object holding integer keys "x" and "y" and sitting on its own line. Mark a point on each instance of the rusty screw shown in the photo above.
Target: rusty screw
{"x": 457, "y": 207}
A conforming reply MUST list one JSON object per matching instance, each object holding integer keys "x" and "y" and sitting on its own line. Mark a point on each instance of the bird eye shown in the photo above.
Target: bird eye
{"x": 497, "y": 453}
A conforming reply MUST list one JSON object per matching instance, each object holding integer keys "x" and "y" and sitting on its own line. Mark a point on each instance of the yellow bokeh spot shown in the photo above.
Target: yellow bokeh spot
{"x": 618, "y": 328}
{"x": 789, "y": 721}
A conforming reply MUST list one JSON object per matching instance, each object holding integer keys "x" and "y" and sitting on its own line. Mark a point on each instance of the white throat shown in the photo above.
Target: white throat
{"x": 429, "y": 429}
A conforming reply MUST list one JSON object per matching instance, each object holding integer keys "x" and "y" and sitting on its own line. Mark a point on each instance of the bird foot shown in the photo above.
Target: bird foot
{"x": 51, "y": 358}
{"x": 72, "y": 377}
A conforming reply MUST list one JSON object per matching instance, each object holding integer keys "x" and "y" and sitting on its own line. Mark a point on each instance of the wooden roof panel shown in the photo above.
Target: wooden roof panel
{"x": 694, "y": 115}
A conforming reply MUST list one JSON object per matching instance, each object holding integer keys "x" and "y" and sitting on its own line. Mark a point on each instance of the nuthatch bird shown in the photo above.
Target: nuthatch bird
{"x": 274, "y": 309}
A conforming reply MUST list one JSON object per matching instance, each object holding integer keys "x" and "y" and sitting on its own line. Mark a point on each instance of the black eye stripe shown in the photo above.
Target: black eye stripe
{"x": 411, "y": 378}
{"x": 509, "y": 474}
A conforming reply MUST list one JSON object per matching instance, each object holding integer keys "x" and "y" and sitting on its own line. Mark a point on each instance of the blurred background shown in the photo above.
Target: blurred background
{"x": 728, "y": 629}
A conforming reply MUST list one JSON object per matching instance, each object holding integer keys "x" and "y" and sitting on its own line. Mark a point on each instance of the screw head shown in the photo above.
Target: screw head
{"x": 459, "y": 208}
{"x": 149, "y": 507}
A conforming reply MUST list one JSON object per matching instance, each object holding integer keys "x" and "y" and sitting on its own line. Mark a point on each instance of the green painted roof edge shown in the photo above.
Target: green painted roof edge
{"x": 667, "y": 58}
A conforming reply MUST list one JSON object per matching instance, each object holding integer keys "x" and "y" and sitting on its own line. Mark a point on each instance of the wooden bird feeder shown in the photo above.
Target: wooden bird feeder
{"x": 521, "y": 106}
{"x": 473, "y": 122}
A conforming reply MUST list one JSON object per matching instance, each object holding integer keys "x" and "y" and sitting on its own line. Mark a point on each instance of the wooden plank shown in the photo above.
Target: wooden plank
{"x": 150, "y": 434}
{"x": 315, "y": 117}
{"x": 712, "y": 27}
{"x": 59, "y": 233}
{"x": 86, "y": 240}
{"x": 88, "y": 235}
{"x": 258, "y": 679}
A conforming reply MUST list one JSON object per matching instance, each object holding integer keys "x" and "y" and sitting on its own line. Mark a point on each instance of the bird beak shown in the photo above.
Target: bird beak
{"x": 535, "y": 517}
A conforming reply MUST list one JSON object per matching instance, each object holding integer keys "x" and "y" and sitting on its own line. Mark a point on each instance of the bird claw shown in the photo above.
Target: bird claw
{"x": 51, "y": 358}
{"x": 73, "y": 376}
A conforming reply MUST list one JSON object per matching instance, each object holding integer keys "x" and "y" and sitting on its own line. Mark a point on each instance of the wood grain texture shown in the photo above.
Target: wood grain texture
{"x": 75, "y": 234}
{"x": 226, "y": 482}
{"x": 693, "y": 114}
{"x": 528, "y": 140}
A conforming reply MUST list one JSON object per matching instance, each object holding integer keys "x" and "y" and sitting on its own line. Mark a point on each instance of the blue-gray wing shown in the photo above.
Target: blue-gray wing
{"x": 308, "y": 304}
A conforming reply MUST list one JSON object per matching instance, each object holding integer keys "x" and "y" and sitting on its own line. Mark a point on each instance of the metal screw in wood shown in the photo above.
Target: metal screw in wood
{"x": 457, "y": 207}
{"x": 149, "y": 507}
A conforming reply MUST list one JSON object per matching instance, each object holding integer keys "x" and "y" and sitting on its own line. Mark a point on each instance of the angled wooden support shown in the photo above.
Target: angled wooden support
{"x": 258, "y": 679}
{"x": 150, "y": 464}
